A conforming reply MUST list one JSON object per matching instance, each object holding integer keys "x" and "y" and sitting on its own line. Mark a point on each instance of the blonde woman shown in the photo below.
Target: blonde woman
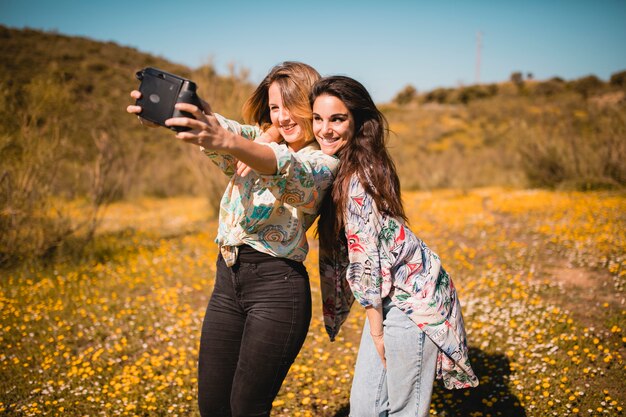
{"x": 260, "y": 309}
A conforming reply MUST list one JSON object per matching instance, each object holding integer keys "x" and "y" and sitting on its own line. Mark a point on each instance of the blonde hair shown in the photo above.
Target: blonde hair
{"x": 295, "y": 81}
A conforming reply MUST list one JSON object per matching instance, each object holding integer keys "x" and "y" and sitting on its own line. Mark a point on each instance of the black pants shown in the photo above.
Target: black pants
{"x": 255, "y": 324}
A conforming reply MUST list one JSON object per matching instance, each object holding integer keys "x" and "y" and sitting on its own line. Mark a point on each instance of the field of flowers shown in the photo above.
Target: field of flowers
{"x": 541, "y": 276}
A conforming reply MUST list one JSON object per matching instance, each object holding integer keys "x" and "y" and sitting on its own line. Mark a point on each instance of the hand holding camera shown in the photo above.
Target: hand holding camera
{"x": 160, "y": 91}
{"x": 168, "y": 100}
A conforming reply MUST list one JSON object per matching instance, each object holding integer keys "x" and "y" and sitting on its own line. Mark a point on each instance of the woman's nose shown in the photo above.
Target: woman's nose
{"x": 283, "y": 115}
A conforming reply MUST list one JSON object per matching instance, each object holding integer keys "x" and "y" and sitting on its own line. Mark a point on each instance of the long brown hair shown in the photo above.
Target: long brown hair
{"x": 364, "y": 155}
{"x": 295, "y": 80}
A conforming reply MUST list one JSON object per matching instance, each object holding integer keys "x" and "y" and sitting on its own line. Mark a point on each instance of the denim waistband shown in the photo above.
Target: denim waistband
{"x": 247, "y": 254}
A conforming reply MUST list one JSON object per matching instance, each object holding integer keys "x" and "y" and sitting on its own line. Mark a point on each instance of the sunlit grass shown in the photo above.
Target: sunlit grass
{"x": 117, "y": 334}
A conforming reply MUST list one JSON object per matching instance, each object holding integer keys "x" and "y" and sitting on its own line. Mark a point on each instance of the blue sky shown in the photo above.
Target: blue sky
{"x": 384, "y": 44}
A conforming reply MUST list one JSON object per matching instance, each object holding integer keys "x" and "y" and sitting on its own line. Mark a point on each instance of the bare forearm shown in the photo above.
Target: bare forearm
{"x": 261, "y": 158}
{"x": 205, "y": 130}
{"x": 375, "y": 318}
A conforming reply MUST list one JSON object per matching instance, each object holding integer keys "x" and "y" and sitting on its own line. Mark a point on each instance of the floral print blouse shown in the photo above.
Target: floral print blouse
{"x": 385, "y": 259}
{"x": 271, "y": 213}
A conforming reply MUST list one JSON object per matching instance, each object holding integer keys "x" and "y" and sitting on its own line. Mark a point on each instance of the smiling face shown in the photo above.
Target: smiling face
{"x": 289, "y": 128}
{"x": 333, "y": 124}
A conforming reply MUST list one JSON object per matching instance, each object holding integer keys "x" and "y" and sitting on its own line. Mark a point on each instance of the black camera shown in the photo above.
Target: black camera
{"x": 160, "y": 91}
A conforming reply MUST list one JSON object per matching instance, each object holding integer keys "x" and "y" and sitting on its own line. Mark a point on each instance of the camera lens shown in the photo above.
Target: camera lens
{"x": 154, "y": 98}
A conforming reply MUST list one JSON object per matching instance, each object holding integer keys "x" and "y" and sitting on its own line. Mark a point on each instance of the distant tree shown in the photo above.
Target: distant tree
{"x": 438, "y": 95}
{"x": 585, "y": 86}
{"x": 529, "y": 76}
{"x": 406, "y": 95}
{"x": 492, "y": 89}
{"x": 549, "y": 88}
{"x": 517, "y": 78}
{"x": 618, "y": 79}
{"x": 474, "y": 92}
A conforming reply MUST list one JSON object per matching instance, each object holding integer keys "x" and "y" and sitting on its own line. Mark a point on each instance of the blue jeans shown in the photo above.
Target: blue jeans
{"x": 254, "y": 327}
{"x": 403, "y": 389}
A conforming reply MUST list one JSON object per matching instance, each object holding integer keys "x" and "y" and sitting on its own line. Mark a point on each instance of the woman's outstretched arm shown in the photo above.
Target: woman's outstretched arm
{"x": 207, "y": 132}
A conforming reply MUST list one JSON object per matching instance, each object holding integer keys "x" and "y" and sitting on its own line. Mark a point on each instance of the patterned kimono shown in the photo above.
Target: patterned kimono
{"x": 385, "y": 259}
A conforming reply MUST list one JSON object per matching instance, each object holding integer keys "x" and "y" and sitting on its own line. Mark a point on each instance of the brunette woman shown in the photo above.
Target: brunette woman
{"x": 414, "y": 330}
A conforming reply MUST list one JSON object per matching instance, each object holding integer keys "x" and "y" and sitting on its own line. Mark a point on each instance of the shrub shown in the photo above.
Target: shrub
{"x": 586, "y": 86}
{"x": 474, "y": 92}
{"x": 517, "y": 78}
{"x": 439, "y": 95}
{"x": 42, "y": 166}
{"x": 618, "y": 79}
{"x": 405, "y": 96}
{"x": 581, "y": 148}
{"x": 550, "y": 88}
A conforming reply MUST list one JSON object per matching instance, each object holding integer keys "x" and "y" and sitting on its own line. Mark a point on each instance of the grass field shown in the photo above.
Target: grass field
{"x": 541, "y": 277}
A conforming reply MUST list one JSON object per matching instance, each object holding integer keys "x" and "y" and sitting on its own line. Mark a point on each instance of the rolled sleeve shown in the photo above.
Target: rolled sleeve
{"x": 283, "y": 158}
{"x": 225, "y": 162}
